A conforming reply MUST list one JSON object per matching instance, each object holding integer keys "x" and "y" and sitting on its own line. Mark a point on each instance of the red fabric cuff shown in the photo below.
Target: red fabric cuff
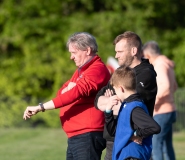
{"x": 57, "y": 102}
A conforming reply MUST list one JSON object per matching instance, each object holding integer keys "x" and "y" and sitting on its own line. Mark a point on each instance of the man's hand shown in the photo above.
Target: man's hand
{"x": 113, "y": 103}
{"x": 108, "y": 93}
{"x": 137, "y": 139}
{"x": 104, "y": 101}
{"x": 70, "y": 86}
{"x": 30, "y": 111}
{"x": 113, "y": 100}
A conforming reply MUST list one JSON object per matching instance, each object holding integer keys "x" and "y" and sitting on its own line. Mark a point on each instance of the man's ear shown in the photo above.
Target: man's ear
{"x": 88, "y": 51}
{"x": 133, "y": 51}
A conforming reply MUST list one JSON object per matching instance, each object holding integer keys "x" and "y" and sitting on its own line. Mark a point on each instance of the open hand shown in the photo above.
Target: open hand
{"x": 30, "y": 111}
{"x": 70, "y": 86}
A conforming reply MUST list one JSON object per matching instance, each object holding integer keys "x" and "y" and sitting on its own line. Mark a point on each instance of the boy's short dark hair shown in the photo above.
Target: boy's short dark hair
{"x": 124, "y": 76}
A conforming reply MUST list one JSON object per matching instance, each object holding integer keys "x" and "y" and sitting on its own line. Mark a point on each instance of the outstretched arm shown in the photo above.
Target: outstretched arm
{"x": 33, "y": 110}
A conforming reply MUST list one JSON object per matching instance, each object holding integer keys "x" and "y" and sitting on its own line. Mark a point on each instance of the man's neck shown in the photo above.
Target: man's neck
{"x": 135, "y": 62}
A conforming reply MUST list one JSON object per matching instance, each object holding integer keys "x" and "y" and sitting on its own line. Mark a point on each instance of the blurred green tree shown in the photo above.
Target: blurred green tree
{"x": 33, "y": 34}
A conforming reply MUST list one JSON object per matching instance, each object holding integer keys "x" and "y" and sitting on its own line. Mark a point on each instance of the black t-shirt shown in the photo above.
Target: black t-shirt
{"x": 146, "y": 87}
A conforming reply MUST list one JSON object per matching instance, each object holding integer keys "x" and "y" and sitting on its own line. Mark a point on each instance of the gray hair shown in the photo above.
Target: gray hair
{"x": 152, "y": 47}
{"x": 83, "y": 40}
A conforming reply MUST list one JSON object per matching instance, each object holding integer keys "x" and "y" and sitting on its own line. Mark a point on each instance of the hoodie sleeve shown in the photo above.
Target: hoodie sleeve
{"x": 144, "y": 124}
{"x": 146, "y": 86}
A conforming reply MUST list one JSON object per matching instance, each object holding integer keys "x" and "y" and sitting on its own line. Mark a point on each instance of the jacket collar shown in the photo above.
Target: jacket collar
{"x": 88, "y": 63}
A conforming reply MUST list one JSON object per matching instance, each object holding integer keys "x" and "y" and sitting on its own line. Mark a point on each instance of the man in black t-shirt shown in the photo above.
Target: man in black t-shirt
{"x": 128, "y": 52}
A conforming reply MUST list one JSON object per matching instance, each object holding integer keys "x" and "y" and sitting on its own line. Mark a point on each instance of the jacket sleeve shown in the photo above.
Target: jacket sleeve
{"x": 87, "y": 85}
{"x": 144, "y": 124}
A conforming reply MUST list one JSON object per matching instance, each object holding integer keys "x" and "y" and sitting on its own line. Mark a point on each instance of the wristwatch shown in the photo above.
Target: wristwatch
{"x": 42, "y": 107}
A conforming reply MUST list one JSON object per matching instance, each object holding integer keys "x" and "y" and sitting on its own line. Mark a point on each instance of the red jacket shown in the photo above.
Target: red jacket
{"x": 77, "y": 112}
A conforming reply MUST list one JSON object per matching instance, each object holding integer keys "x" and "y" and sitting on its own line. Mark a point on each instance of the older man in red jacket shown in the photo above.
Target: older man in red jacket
{"x": 81, "y": 121}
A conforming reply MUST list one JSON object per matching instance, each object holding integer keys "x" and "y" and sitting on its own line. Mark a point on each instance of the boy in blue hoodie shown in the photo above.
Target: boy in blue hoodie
{"x": 128, "y": 124}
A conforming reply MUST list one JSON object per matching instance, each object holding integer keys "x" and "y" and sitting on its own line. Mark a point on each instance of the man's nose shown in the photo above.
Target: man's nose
{"x": 72, "y": 57}
{"x": 116, "y": 56}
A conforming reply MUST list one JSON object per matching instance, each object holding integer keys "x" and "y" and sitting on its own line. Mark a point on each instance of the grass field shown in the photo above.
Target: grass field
{"x": 50, "y": 144}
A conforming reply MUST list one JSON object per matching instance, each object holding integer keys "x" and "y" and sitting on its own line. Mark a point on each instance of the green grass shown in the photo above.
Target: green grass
{"x": 50, "y": 144}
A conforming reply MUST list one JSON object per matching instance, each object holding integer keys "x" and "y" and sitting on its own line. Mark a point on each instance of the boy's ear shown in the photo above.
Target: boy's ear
{"x": 122, "y": 89}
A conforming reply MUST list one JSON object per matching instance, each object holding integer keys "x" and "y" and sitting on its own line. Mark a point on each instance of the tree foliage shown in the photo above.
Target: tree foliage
{"x": 33, "y": 34}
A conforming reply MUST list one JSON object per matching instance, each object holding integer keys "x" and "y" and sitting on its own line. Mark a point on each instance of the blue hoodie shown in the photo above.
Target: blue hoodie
{"x": 123, "y": 146}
